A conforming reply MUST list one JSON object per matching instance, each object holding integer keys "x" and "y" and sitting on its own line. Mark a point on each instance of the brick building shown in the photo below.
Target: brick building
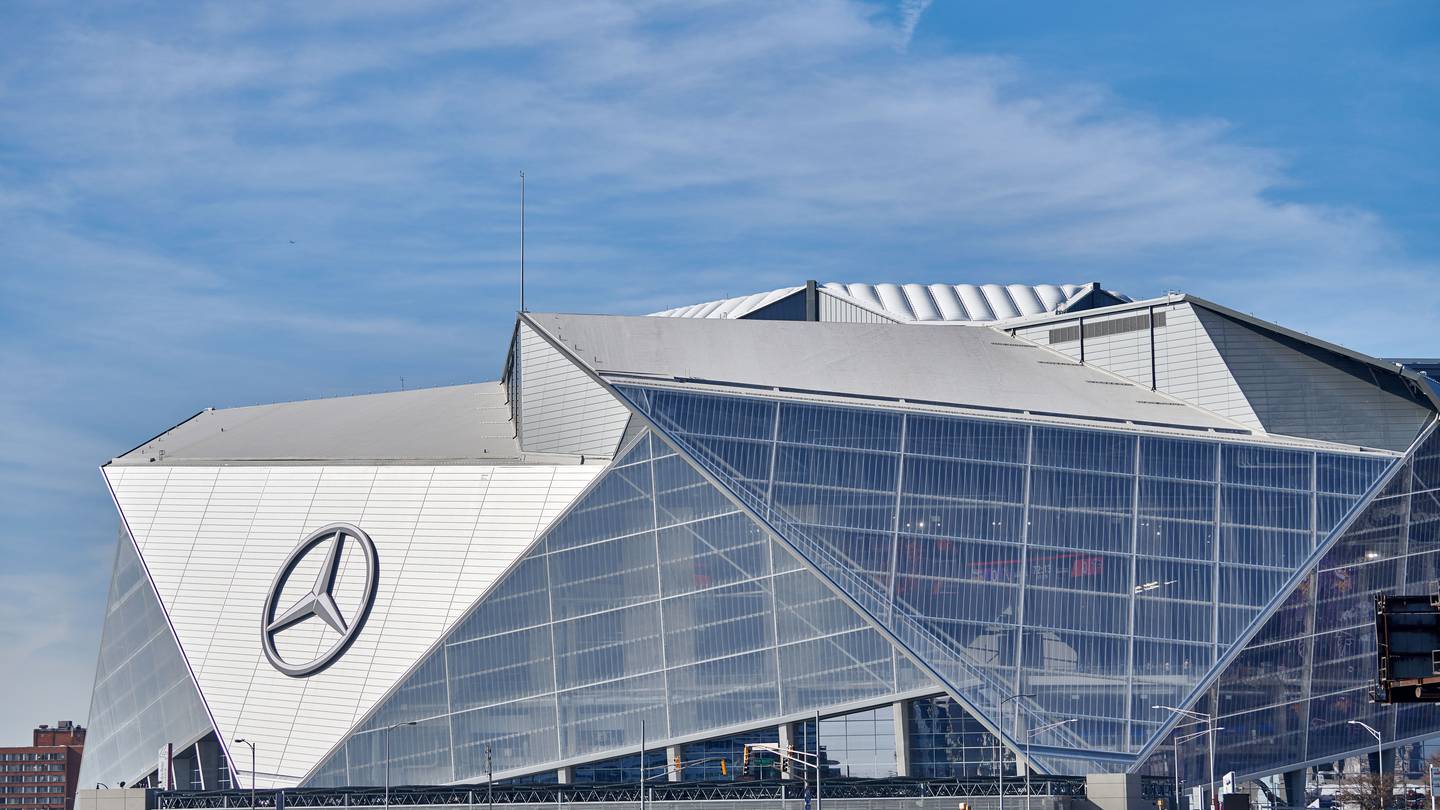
{"x": 44, "y": 774}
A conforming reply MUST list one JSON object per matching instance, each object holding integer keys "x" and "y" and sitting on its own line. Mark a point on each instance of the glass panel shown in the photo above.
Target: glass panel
{"x": 1291, "y": 694}
{"x": 1001, "y": 575}
{"x": 144, "y": 696}
{"x": 682, "y": 624}
{"x": 945, "y": 741}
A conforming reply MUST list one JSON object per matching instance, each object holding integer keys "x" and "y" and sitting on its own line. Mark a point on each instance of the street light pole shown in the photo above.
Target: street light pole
{"x": 1209, "y": 720}
{"x": 1000, "y": 746}
{"x": 819, "y": 763}
{"x": 1379, "y": 757}
{"x": 1029, "y": 736}
{"x": 239, "y": 740}
{"x": 489, "y": 778}
{"x": 1187, "y": 738}
{"x": 387, "y": 757}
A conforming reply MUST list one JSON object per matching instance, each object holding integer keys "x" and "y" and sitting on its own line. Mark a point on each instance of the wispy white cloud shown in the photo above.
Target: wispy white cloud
{"x": 910, "y": 13}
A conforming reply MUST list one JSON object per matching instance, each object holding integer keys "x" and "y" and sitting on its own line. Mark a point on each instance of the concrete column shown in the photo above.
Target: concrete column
{"x": 902, "y": 737}
{"x": 1115, "y": 791}
{"x": 1386, "y": 765}
{"x": 787, "y": 740}
{"x": 673, "y": 754}
{"x": 565, "y": 775}
{"x": 1295, "y": 787}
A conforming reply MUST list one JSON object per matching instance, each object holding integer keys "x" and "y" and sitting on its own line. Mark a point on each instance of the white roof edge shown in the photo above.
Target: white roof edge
{"x": 960, "y": 409}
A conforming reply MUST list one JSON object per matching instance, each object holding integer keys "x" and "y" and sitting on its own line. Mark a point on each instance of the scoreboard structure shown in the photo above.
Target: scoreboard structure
{"x": 1407, "y": 632}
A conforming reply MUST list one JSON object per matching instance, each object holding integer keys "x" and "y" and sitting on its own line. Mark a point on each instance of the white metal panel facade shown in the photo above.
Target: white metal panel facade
{"x": 1298, "y": 395}
{"x": 1187, "y": 364}
{"x": 561, "y": 409}
{"x": 1120, "y": 344}
{"x": 841, "y": 311}
{"x": 213, "y": 539}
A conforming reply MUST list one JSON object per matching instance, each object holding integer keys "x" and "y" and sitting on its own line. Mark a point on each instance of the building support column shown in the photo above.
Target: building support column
{"x": 899, "y": 709}
{"x": 565, "y": 775}
{"x": 1385, "y": 764}
{"x": 787, "y": 741}
{"x": 673, "y": 754}
{"x": 207, "y": 753}
{"x": 1295, "y": 787}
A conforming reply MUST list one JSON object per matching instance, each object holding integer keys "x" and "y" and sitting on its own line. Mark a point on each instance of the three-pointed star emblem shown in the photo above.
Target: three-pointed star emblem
{"x": 320, "y": 602}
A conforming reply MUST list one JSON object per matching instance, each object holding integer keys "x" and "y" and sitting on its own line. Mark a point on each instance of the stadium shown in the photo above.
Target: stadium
{"x": 944, "y": 529}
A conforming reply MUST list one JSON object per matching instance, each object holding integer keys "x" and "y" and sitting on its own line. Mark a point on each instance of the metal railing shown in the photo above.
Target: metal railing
{"x": 838, "y": 788}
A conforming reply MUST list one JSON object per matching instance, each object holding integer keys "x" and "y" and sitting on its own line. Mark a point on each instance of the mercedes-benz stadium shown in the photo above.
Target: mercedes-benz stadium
{"x": 1044, "y": 526}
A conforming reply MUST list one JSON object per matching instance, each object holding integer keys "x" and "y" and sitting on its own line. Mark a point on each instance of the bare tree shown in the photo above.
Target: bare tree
{"x": 1367, "y": 791}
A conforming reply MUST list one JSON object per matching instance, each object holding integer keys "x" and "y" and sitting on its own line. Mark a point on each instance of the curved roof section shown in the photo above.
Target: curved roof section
{"x": 921, "y": 303}
{"x": 737, "y": 307}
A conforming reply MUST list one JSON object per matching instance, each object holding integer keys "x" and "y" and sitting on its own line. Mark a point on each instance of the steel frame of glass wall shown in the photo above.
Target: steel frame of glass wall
{"x": 1287, "y": 699}
{"x": 1103, "y": 571}
{"x": 653, "y": 599}
{"x": 144, "y": 694}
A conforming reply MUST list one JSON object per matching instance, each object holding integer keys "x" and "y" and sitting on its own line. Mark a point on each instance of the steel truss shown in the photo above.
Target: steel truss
{"x": 836, "y": 788}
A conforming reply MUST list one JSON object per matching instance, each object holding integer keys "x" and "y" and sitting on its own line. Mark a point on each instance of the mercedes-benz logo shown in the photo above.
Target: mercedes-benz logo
{"x": 319, "y": 602}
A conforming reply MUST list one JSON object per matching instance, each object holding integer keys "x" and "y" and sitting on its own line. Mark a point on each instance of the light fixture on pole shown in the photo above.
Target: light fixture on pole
{"x": 489, "y": 778}
{"x": 1178, "y": 740}
{"x": 1029, "y": 736}
{"x": 1379, "y": 754}
{"x": 386, "y": 733}
{"x": 1209, "y": 720}
{"x": 819, "y": 762}
{"x": 239, "y": 740}
{"x": 1000, "y": 745}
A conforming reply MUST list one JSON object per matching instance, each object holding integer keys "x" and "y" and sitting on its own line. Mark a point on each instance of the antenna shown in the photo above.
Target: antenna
{"x": 522, "y": 241}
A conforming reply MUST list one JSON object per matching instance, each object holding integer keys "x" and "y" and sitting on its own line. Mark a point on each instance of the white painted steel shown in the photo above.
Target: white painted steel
{"x": 1295, "y": 394}
{"x": 1242, "y": 374}
{"x": 213, "y": 538}
{"x": 561, "y": 409}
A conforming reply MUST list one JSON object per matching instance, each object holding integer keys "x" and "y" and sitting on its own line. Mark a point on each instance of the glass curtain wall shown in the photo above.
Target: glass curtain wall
{"x": 1101, "y": 572}
{"x": 653, "y": 600}
{"x": 144, "y": 696}
{"x": 1289, "y": 696}
{"x": 945, "y": 741}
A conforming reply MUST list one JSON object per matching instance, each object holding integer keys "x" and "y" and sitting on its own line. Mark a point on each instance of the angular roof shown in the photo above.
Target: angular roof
{"x": 922, "y": 303}
{"x": 970, "y": 367}
{"x": 457, "y": 423}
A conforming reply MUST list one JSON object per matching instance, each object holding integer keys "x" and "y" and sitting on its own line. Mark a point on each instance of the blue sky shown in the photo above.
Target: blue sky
{"x": 213, "y": 204}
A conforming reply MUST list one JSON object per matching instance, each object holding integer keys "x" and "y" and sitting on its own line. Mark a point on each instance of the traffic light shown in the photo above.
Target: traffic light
{"x": 677, "y": 763}
{"x": 724, "y": 769}
{"x": 745, "y": 762}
